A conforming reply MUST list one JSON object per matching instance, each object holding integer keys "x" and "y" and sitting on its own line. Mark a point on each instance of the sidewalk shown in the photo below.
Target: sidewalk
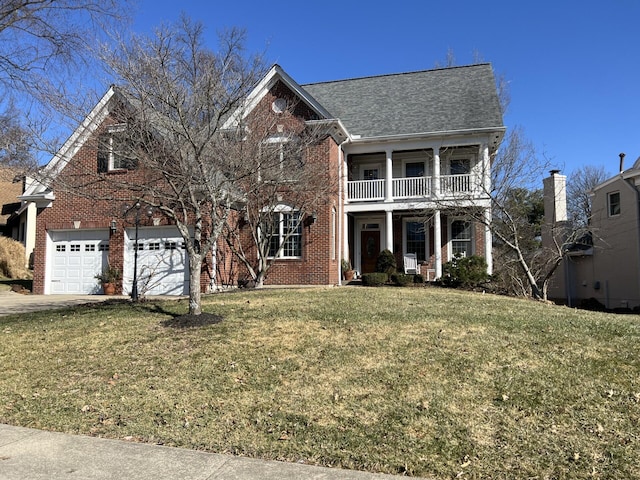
{"x": 27, "y": 454}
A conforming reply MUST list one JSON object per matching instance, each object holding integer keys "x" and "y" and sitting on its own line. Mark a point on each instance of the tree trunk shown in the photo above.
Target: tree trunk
{"x": 195, "y": 297}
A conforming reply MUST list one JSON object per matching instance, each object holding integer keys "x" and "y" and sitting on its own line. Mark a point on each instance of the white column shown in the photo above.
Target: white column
{"x": 437, "y": 243}
{"x": 486, "y": 168}
{"x": 488, "y": 241}
{"x": 389, "y": 230}
{"x": 388, "y": 177}
{"x": 344, "y": 231}
{"x": 436, "y": 172}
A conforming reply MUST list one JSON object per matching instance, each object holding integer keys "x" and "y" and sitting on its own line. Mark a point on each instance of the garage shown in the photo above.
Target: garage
{"x": 77, "y": 256}
{"x": 163, "y": 264}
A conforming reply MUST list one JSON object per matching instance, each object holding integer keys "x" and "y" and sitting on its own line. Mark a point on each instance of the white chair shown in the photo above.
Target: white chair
{"x": 411, "y": 264}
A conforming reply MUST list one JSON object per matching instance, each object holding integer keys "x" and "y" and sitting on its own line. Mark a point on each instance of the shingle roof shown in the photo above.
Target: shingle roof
{"x": 456, "y": 98}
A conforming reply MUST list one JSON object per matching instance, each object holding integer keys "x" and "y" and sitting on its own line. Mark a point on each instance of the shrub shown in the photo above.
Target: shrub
{"x": 401, "y": 279}
{"x": 374, "y": 279}
{"x": 418, "y": 278}
{"x": 12, "y": 259}
{"x": 386, "y": 262}
{"x": 465, "y": 272}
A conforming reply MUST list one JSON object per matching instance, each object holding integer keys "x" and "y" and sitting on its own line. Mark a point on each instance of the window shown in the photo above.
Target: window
{"x": 614, "y": 203}
{"x": 414, "y": 169}
{"x": 416, "y": 239}
{"x": 114, "y": 150}
{"x": 334, "y": 228}
{"x": 370, "y": 174}
{"x": 74, "y": 248}
{"x": 459, "y": 166}
{"x": 285, "y": 231}
{"x": 461, "y": 238}
{"x": 281, "y": 158}
{"x": 89, "y": 248}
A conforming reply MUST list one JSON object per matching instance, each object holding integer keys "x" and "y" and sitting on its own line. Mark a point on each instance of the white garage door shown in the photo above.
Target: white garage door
{"x": 163, "y": 265}
{"x": 76, "y": 257}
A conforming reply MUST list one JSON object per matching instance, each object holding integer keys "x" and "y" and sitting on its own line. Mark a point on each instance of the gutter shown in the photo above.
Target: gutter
{"x": 356, "y": 139}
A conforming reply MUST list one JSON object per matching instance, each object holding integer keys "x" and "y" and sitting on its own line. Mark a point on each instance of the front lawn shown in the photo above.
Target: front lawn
{"x": 418, "y": 381}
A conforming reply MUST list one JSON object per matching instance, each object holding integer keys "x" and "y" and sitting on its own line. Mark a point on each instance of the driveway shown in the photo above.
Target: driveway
{"x": 12, "y": 303}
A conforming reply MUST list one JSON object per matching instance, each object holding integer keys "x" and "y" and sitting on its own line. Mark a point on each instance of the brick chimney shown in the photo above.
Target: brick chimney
{"x": 555, "y": 198}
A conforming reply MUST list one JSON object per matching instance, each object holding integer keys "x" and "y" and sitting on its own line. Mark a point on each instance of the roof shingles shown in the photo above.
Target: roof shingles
{"x": 449, "y": 99}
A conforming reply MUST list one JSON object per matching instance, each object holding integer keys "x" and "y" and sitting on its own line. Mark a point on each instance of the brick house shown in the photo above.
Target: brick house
{"x": 401, "y": 151}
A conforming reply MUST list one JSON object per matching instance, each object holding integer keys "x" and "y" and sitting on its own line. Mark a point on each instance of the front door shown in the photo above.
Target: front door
{"x": 370, "y": 247}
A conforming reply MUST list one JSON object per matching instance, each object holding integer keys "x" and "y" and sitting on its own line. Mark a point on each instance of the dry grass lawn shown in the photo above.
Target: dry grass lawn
{"x": 415, "y": 381}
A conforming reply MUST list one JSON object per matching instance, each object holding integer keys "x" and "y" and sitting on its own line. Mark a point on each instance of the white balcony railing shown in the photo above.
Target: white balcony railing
{"x": 411, "y": 188}
{"x": 414, "y": 187}
{"x": 365, "y": 190}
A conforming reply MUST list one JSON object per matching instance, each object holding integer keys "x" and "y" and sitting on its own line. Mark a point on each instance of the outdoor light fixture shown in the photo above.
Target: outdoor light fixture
{"x": 314, "y": 217}
{"x": 113, "y": 226}
{"x": 137, "y": 206}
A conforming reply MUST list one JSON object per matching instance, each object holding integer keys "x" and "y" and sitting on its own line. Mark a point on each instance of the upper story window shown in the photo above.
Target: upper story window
{"x": 613, "y": 200}
{"x": 281, "y": 159}
{"x": 460, "y": 166}
{"x": 414, "y": 169}
{"x": 114, "y": 150}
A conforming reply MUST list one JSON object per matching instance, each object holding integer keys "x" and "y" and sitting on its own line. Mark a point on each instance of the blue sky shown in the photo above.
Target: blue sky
{"x": 572, "y": 66}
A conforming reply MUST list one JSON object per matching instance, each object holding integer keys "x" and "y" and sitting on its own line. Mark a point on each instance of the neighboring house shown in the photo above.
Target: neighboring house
{"x": 403, "y": 149}
{"x": 17, "y": 218}
{"x": 9, "y": 204}
{"x": 605, "y": 263}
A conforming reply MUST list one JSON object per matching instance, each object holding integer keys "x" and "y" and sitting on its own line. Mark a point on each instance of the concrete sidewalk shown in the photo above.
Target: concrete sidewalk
{"x": 27, "y": 454}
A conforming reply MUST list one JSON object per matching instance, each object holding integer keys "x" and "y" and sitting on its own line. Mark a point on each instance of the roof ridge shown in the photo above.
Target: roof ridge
{"x": 471, "y": 65}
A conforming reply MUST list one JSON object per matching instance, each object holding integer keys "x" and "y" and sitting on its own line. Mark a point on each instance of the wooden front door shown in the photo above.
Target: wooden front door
{"x": 370, "y": 248}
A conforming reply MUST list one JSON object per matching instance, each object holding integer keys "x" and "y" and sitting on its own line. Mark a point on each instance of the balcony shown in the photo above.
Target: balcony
{"x": 413, "y": 188}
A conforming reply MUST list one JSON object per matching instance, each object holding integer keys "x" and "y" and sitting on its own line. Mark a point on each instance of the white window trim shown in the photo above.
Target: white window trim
{"x": 404, "y": 235}
{"x": 425, "y": 167}
{"x": 451, "y": 240}
{"x": 280, "y": 140}
{"x": 370, "y": 166}
{"x": 280, "y": 210}
{"x": 334, "y": 231}
{"x": 609, "y": 204}
{"x": 117, "y": 128}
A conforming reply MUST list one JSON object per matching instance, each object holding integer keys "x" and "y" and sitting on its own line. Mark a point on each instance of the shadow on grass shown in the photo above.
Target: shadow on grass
{"x": 182, "y": 320}
{"x": 192, "y": 321}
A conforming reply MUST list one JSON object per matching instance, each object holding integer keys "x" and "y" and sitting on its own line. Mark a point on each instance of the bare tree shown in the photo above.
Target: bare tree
{"x": 282, "y": 186}
{"x": 40, "y": 39}
{"x": 167, "y": 118}
{"x": 16, "y": 141}
{"x": 515, "y": 222}
{"x": 579, "y": 186}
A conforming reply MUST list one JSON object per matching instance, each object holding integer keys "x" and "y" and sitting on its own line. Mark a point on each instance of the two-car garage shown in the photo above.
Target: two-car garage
{"x": 77, "y": 256}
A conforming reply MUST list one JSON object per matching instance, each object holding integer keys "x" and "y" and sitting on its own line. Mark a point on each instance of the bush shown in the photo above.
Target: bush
{"x": 465, "y": 272}
{"x": 401, "y": 279}
{"x": 374, "y": 279}
{"x": 386, "y": 262}
{"x": 12, "y": 259}
{"x": 418, "y": 278}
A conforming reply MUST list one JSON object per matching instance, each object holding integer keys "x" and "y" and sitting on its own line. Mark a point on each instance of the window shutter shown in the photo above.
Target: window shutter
{"x": 103, "y": 153}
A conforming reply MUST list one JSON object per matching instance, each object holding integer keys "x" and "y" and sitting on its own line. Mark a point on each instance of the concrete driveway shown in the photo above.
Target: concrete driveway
{"x": 12, "y": 303}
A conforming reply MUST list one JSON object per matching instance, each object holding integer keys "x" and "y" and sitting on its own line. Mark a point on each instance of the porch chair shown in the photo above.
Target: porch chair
{"x": 411, "y": 264}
